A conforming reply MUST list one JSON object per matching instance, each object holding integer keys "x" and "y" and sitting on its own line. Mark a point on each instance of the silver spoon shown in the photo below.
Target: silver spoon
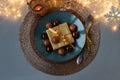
{"x": 87, "y": 22}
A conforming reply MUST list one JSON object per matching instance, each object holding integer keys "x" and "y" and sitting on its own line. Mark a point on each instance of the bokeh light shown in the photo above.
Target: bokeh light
{"x": 114, "y": 28}
{"x": 12, "y": 9}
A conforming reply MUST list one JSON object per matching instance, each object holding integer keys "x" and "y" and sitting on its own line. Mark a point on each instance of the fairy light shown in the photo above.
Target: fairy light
{"x": 98, "y": 9}
{"x": 86, "y": 2}
{"x": 96, "y": 16}
{"x": 114, "y": 28}
{"x": 11, "y": 9}
{"x": 94, "y": 12}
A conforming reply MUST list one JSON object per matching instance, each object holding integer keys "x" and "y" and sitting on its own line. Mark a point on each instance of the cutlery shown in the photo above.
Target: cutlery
{"x": 88, "y": 25}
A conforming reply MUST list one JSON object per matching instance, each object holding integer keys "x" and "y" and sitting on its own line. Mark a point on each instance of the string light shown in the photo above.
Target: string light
{"x": 114, "y": 28}
{"x": 98, "y": 8}
{"x": 11, "y": 9}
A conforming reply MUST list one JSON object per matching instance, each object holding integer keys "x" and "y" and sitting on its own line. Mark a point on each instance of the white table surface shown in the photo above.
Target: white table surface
{"x": 13, "y": 66}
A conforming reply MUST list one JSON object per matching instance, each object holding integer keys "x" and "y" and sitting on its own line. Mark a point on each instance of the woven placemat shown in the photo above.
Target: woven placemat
{"x": 34, "y": 57}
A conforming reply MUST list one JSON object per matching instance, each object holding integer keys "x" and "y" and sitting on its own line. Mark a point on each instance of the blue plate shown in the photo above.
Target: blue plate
{"x": 61, "y": 17}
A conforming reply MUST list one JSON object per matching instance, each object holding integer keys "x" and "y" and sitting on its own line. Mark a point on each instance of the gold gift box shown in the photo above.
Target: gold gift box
{"x": 65, "y": 35}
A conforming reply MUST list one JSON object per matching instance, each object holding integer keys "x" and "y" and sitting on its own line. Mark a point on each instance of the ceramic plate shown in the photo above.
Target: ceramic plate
{"x": 61, "y": 17}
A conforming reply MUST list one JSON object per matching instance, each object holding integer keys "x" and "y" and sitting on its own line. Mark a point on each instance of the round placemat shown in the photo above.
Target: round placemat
{"x": 33, "y": 56}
